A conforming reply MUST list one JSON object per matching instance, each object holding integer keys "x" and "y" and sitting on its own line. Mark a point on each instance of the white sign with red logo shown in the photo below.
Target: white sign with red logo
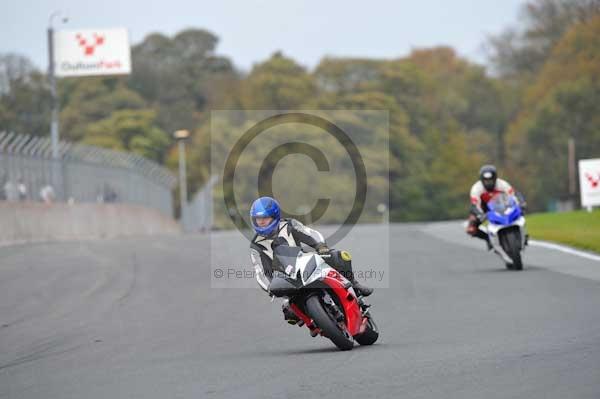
{"x": 92, "y": 52}
{"x": 589, "y": 182}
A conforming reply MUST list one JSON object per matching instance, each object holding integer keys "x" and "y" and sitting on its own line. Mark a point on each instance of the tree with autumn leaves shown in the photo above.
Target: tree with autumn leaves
{"x": 562, "y": 102}
{"x": 447, "y": 115}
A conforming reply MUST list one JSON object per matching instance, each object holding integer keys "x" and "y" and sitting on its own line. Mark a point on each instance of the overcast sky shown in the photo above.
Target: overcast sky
{"x": 251, "y": 30}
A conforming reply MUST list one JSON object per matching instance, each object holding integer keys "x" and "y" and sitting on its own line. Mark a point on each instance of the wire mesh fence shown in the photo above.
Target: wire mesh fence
{"x": 81, "y": 173}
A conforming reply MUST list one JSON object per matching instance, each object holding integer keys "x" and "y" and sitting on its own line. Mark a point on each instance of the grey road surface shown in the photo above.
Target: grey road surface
{"x": 137, "y": 318}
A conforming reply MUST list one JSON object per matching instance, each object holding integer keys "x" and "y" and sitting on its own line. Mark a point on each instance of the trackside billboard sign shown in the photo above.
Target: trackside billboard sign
{"x": 589, "y": 182}
{"x": 91, "y": 52}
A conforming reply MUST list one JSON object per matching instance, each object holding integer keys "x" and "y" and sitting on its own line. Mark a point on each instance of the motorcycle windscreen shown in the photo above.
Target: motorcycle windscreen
{"x": 285, "y": 256}
{"x": 310, "y": 268}
{"x": 499, "y": 203}
{"x": 287, "y": 259}
{"x": 504, "y": 209}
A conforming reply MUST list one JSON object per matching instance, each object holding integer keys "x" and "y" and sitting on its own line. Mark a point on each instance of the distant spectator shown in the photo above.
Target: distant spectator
{"x": 47, "y": 194}
{"x": 108, "y": 194}
{"x": 22, "y": 190}
{"x": 111, "y": 196}
{"x": 10, "y": 191}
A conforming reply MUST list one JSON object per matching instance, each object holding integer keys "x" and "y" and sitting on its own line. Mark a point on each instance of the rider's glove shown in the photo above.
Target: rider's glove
{"x": 523, "y": 206}
{"x": 322, "y": 249}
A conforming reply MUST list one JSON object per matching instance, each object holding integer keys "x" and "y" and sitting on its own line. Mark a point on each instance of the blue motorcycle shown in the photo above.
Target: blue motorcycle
{"x": 506, "y": 229}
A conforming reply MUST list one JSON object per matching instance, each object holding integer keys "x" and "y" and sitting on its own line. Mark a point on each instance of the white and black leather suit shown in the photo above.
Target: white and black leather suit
{"x": 295, "y": 234}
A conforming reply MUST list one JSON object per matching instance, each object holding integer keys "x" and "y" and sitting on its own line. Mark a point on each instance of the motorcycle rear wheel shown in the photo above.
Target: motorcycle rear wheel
{"x": 327, "y": 324}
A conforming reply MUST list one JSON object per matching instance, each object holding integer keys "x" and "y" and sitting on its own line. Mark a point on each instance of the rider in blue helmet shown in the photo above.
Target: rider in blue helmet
{"x": 269, "y": 226}
{"x": 265, "y": 214}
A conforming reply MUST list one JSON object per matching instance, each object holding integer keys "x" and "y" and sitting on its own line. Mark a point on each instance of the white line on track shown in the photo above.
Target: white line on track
{"x": 565, "y": 249}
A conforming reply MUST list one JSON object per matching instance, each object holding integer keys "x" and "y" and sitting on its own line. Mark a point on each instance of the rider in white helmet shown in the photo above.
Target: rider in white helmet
{"x": 482, "y": 192}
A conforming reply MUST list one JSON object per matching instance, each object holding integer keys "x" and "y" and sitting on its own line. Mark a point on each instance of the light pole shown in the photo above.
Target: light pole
{"x": 54, "y": 134}
{"x": 57, "y": 181}
{"x": 181, "y": 136}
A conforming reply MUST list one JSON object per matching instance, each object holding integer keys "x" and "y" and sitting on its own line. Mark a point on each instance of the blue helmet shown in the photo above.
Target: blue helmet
{"x": 265, "y": 207}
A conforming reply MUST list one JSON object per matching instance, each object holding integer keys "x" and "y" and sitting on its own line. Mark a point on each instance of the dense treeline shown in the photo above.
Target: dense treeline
{"x": 447, "y": 114}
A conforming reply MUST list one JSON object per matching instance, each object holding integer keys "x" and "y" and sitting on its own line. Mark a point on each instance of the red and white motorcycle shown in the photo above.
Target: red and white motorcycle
{"x": 322, "y": 298}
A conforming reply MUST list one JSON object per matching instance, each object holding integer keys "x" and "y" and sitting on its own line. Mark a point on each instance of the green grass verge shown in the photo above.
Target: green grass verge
{"x": 578, "y": 229}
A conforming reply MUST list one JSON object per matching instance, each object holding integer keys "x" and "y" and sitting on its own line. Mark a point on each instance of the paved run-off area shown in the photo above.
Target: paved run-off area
{"x": 137, "y": 318}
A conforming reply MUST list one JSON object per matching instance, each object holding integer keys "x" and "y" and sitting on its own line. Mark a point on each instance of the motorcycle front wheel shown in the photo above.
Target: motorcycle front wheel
{"x": 511, "y": 243}
{"x": 328, "y": 325}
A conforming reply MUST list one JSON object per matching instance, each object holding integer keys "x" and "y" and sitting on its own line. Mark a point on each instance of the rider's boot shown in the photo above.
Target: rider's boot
{"x": 485, "y": 237}
{"x": 489, "y": 244}
{"x": 289, "y": 315}
{"x": 342, "y": 262}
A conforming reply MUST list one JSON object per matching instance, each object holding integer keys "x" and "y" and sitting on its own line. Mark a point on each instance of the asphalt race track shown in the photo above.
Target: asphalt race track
{"x": 137, "y": 319}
